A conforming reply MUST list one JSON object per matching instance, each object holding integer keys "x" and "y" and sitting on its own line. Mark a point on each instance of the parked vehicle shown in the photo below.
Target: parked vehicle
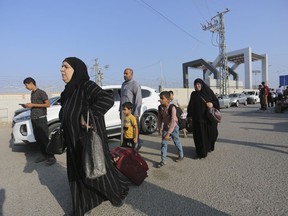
{"x": 252, "y": 96}
{"x": 23, "y": 132}
{"x": 238, "y": 98}
{"x": 224, "y": 101}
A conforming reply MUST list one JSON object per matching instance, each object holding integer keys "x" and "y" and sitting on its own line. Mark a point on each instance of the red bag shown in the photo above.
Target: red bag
{"x": 130, "y": 163}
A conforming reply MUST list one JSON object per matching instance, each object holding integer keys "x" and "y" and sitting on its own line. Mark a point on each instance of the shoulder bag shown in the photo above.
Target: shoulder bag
{"x": 213, "y": 114}
{"x": 93, "y": 159}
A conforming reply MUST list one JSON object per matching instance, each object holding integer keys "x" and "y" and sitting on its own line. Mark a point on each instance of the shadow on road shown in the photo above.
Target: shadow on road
{"x": 53, "y": 177}
{"x": 151, "y": 199}
{"x": 270, "y": 147}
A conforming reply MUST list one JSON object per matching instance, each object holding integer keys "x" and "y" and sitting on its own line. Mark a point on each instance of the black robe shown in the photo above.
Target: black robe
{"x": 86, "y": 193}
{"x": 205, "y": 132}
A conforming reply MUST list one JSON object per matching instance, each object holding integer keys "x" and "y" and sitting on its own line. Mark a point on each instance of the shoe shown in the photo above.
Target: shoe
{"x": 162, "y": 163}
{"x": 179, "y": 159}
{"x": 41, "y": 158}
{"x": 50, "y": 161}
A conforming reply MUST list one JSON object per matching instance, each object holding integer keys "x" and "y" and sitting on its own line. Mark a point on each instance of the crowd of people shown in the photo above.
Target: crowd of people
{"x": 80, "y": 95}
{"x": 269, "y": 96}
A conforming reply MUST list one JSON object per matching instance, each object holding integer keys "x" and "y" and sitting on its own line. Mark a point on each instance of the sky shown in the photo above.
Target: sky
{"x": 154, "y": 37}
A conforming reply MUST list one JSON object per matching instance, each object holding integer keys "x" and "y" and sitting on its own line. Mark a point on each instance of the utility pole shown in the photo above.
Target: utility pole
{"x": 99, "y": 76}
{"x": 217, "y": 25}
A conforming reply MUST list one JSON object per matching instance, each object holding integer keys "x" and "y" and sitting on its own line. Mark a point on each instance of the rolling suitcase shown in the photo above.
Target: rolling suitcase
{"x": 130, "y": 163}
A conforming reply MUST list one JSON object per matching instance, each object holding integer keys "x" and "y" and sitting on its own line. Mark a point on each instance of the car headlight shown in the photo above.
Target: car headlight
{"x": 24, "y": 118}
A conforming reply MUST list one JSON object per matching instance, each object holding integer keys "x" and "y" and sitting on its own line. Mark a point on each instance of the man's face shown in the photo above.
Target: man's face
{"x": 128, "y": 75}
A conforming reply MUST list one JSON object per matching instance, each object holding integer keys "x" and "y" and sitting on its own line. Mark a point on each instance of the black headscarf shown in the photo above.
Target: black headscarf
{"x": 79, "y": 76}
{"x": 205, "y": 91}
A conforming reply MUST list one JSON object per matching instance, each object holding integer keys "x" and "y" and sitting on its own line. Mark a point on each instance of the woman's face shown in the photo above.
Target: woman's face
{"x": 197, "y": 86}
{"x": 66, "y": 72}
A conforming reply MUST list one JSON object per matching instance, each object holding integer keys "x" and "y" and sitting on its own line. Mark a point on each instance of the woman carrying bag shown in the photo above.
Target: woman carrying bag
{"x": 79, "y": 95}
{"x": 204, "y": 131}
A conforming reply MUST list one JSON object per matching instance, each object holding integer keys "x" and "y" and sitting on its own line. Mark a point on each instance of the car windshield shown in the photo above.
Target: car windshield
{"x": 250, "y": 93}
{"x": 233, "y": 95}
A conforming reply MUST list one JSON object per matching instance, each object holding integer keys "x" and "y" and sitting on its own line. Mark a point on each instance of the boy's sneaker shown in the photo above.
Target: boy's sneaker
{"x": 160, "y": 164}
{"x": 179, "y": 159}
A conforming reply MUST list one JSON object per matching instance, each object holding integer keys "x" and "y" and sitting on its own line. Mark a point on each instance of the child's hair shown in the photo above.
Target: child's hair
{"x": 127, "y": 105}
{"x": 166, "y": 94}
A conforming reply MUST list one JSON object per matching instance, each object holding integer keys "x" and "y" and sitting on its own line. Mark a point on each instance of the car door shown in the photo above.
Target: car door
{"x": 242, "y": 98}
{"x": 112, "y": 117}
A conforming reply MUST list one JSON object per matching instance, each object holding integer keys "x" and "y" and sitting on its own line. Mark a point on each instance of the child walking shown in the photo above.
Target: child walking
{"x": 170, "y": 128}
{"x": 130, "y": 127}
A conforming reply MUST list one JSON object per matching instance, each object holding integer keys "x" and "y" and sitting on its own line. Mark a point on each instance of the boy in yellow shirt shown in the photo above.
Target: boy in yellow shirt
{"x": 130, "y": 127}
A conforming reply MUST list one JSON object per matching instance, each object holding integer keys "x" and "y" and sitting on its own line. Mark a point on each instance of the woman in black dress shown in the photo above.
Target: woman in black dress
{"x": 205, "y": 132}
{"x": 79, "y": 93}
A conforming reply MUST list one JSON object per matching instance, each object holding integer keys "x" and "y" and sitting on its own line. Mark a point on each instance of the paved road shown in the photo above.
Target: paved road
{"x": 246, "y": 175}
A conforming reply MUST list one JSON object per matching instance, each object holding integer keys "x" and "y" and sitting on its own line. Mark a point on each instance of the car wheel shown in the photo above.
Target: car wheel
{"x": 237, "y": 103}
{"x": 53, "y": 127}
{"x": 148, "y": 123}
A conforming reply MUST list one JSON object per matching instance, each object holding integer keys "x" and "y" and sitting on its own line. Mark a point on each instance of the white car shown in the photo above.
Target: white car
{"x": 238, "y": 98}
{"x": 252, "y": 96}
{"x": 23, "y": 132}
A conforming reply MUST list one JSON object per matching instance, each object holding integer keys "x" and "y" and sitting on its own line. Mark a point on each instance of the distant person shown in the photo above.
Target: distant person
{"x": 174, "y": 101}
{"x": 285, "y": 93}
{"x": 205, "y": 132}
{"x": 170, "y": 128}
{"x": 131, "y": 92}
{"x": 81, "y": 93}
{"x": 261, "y": 96}
{"x": 130, "y": 127}
{"x": 266, "y": 93}
{"x": 279, "y": 94}
{"x": 38, "y": 105}
{"x": 270, "y": 98}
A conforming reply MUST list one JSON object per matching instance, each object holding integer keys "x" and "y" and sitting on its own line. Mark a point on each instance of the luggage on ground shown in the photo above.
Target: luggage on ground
{"x": 130, "y": 163}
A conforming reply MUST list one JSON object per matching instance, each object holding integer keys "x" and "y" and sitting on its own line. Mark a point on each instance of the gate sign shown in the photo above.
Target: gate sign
{"x": 283, "y": 80}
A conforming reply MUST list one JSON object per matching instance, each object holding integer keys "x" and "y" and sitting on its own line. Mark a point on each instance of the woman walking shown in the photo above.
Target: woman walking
{"x": 205, "y": 132}
{"x": 79, "y": 94}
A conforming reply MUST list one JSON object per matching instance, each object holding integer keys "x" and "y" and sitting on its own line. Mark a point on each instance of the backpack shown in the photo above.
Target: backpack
{"x": 179, "y": 113}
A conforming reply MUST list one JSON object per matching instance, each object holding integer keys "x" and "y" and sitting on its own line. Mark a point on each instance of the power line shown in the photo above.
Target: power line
{"x": 173, "y": 23}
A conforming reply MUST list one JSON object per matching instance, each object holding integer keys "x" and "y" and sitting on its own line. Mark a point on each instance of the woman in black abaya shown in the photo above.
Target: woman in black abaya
{"x": 79, "y": 93}
{"x": 205, "y": 132}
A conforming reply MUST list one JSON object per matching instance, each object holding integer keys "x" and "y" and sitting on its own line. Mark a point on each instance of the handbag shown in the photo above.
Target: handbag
{"x": 93, "y": 159}
{"x": 213, "y": 114}
{"x": 56, "y": 144}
